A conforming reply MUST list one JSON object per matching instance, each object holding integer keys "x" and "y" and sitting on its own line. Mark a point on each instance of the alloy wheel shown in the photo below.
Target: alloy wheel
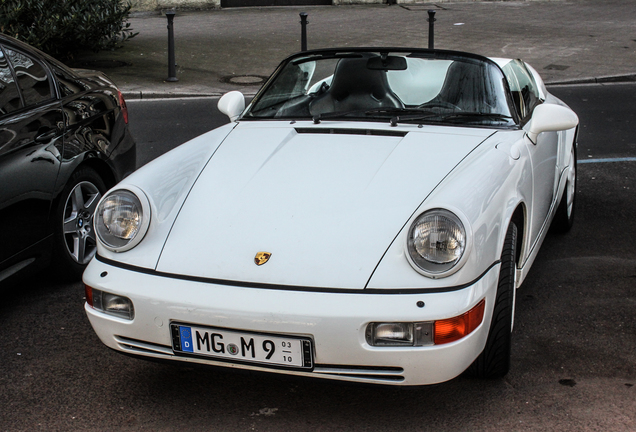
{"x": 79, "y": 236}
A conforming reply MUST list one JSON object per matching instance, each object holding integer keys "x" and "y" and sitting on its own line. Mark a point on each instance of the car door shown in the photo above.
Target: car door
{"x": 543, "y": 153}
{"x": 31, "y": 130}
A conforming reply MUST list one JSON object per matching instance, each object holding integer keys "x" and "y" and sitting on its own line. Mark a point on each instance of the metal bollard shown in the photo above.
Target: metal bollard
{"x": 172, "y": 64}
{"x": 431, "y": 37}
{"x": 303, "y": 31}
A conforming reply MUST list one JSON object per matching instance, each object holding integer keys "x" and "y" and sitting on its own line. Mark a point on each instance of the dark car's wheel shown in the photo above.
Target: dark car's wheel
{"x": 494, "y": 361}
{"x": 75, "y": 241}
{"x": 564, "y": 216}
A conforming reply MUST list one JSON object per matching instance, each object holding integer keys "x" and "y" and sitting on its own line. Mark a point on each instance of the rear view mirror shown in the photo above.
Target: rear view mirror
{"x": 232, "y": 104}
{"x": 548, "y": 117}
{"x": 387, "y": 63}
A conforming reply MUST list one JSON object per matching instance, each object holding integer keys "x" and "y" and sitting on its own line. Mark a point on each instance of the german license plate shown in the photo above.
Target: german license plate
{"x": 242, "y": 347}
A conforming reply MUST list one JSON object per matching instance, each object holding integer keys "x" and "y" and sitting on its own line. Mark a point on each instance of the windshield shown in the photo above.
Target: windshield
{"x": 400, "y": 87}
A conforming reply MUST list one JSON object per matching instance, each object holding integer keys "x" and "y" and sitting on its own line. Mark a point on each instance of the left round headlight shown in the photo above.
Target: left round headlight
{"x": 436, "y": 243}
{"x": 122, "y": 219}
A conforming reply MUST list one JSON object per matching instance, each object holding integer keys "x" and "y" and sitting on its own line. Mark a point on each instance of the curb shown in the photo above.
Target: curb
{"x": 150, "y": 95}
{"x": 141, "y": 95}
{"x": 613, "y": 79}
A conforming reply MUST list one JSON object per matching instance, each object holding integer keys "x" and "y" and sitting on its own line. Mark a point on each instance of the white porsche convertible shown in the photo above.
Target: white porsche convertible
{"x": 368, "y": 217}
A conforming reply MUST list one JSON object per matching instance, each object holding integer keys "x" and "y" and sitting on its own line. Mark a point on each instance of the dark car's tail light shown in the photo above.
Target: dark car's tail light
{"x": 122, "y": 104}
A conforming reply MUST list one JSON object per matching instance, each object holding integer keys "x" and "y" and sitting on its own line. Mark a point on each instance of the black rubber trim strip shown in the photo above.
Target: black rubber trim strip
{"x": 241, "y": 284}
{"x": 174, "y": 360}
{"x": 130, "y": 341}
{"x": 332, "y": 368}
{"x": 349, "y": 131}
{"x": 180, "y": 354}
{"x": 379, "y": 379}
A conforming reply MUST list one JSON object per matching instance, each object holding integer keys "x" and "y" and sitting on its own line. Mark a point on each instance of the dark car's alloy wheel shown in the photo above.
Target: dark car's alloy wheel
{"x": 78, "y": 217}
{"x": 75, "y": 234}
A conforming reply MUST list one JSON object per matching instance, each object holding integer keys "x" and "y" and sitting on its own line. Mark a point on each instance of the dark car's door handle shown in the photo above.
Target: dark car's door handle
{"x": 46, "y": 136}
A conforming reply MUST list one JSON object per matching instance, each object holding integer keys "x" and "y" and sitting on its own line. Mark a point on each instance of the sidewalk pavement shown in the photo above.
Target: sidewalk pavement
{"x": 582, "y": 41}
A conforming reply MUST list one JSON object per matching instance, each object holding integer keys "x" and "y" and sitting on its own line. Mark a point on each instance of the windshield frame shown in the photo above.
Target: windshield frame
{"x": 416, "y": 53}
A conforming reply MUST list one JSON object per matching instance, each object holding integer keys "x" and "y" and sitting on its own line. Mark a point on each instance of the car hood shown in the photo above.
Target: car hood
{"x": 326, "y": 202}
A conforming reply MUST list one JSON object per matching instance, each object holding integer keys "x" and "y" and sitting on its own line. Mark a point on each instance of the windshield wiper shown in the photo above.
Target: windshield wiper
{"x": 475, "y": 115}
{"x": 406, "y": 115}
{"x": 330, "y": 115}
{"x": 411, "y": 114}
{"x": 441, "y": 117}
{"x": 392, "y": 110}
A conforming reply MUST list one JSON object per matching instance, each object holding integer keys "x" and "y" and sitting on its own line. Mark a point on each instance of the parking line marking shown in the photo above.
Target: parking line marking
{"x": 622, "y": 159}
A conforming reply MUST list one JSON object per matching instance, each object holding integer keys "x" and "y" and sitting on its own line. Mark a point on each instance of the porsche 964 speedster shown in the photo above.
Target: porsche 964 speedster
{"x": 367, "y": 217}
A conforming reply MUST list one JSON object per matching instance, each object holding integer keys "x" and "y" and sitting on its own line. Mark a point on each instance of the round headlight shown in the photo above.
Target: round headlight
{"x": 122, "y": 219}
{"x": 436, "y": 242}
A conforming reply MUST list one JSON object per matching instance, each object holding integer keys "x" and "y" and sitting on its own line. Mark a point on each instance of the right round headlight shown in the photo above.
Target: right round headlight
{"x": 122, "y": 219}
{"x": 436, "y": 242}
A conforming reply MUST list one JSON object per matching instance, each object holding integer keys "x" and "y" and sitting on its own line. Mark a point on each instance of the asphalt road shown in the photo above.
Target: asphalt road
{"x": 574, "y": 344}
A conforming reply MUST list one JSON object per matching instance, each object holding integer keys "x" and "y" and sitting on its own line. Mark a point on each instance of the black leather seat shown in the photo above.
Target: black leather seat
{"x": 465, "y": 87}
{"x": 355, "y": 87}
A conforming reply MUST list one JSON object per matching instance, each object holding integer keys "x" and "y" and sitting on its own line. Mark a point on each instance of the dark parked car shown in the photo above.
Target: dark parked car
{"x": 64, "y": 140}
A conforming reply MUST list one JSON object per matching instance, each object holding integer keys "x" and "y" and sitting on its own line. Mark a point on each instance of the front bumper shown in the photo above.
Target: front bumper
{"x": 335, "y": 322}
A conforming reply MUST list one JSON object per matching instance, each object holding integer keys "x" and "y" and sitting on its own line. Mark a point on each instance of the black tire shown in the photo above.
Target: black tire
{"x": 494, "y": 361}
{"x": 564, "y": 216}
{"x": 75, "y": 242}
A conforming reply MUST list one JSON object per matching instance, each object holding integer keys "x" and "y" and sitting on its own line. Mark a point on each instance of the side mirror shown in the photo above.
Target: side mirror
{"x": 232, "y": 104}
{"x": 548, "y": 117}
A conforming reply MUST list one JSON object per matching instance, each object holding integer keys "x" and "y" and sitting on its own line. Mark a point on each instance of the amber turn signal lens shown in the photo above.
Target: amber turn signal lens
{"x": 88, "y": 291}
{"x": 452, "y": 329}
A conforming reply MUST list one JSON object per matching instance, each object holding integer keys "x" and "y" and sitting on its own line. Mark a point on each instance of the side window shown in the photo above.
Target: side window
{"x": 523, "y": 87}
{"x": 32, "y": 78}
{"x": 9, "y": 96}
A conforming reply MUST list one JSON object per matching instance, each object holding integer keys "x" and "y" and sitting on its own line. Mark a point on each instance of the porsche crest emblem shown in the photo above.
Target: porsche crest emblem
{"x": 262, "y": 257}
